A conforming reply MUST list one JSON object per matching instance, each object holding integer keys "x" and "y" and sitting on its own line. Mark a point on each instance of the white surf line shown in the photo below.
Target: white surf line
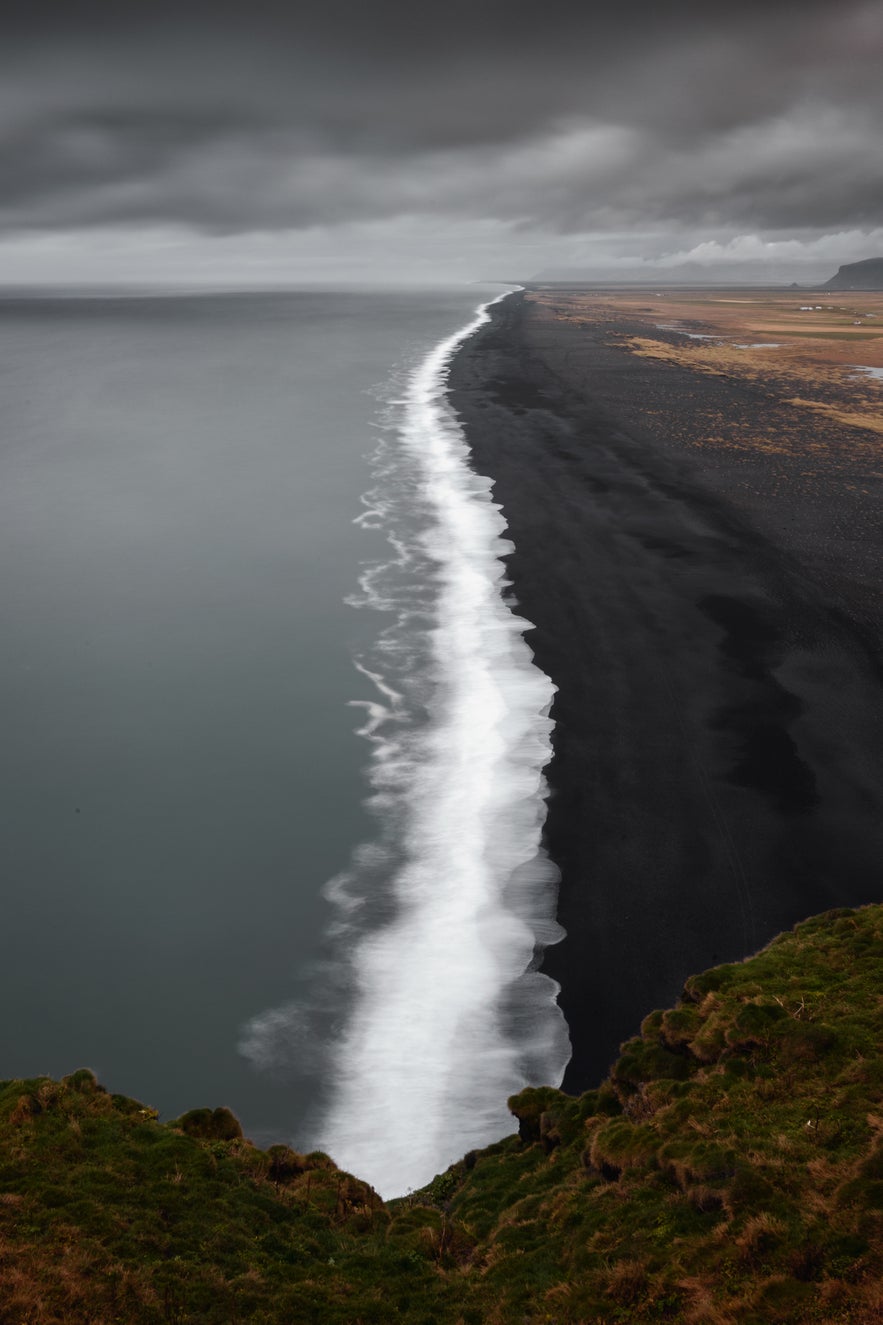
{"x": 425, "y": 1064}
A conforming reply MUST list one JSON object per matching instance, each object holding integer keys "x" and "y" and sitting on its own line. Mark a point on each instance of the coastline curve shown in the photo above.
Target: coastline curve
{"x": 449, "y": 1013}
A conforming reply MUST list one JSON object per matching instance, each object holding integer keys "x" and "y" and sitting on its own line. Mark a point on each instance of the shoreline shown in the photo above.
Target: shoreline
{"x": 717, "y": 772}
{"x": 462, "y": 804}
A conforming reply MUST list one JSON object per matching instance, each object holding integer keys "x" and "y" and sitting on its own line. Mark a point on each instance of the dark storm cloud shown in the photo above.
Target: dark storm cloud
{"x": 565, "y": 116}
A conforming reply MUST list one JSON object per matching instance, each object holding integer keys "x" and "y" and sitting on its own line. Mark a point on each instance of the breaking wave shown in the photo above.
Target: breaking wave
{"x": 439, "y": 924}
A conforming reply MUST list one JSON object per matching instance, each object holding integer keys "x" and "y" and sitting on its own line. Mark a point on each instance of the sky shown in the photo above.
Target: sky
{"x": 260, "y": 143}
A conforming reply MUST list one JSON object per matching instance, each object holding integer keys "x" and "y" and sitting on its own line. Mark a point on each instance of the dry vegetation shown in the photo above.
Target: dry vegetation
{"x": 807, "y": 350}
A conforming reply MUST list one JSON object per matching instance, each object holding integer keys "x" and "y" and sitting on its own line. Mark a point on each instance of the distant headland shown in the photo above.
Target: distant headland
{"x": 866, "y": 275}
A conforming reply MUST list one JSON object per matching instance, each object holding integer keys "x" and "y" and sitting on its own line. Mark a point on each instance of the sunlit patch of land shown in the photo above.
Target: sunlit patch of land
{"x": 849, "y": 418}
{"x": 793, "y": 315}
{"x": 814, "y": 353}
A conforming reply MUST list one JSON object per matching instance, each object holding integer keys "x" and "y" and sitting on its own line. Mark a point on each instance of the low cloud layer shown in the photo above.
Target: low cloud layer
{"x": 556, "y": 124}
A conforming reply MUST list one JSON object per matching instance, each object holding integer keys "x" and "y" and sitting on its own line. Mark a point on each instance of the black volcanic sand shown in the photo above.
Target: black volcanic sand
{"x": 718, "y": 750}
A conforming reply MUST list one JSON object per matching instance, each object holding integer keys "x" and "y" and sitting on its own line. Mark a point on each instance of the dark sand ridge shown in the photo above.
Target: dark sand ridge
{"x": 709, "y": 618}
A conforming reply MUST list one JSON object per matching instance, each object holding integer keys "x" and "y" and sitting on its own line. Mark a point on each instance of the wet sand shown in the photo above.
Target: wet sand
{"x": 710, "y": 615}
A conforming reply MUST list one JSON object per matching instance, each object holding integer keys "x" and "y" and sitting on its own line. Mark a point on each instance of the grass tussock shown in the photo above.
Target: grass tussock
{"x": 729, "y": 1172}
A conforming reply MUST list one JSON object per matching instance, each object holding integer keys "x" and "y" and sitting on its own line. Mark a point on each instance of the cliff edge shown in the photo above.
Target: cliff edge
{"x": 729, "y": 1170}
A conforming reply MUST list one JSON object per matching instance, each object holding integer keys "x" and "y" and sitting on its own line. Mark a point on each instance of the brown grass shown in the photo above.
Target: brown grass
{"x": 870, "y": 419}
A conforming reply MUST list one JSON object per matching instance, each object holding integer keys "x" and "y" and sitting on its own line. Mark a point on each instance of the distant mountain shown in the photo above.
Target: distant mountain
{"x": 867, "y": 275}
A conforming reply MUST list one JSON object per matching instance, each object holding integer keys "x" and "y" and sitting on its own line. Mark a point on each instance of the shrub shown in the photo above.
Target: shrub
{"x": 210, "y": 1124}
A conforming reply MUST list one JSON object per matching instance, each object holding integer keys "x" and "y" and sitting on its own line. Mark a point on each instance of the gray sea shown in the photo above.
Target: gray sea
{"x": 216, "y": 559}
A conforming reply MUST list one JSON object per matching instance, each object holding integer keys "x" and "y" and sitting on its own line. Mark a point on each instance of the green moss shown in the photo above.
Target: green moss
{"x": 643, "y": 1060}
{"x": 730, "y": 1169}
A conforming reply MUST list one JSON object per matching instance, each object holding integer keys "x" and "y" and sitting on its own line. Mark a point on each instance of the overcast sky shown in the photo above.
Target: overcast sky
{"x": 259, "y": 143}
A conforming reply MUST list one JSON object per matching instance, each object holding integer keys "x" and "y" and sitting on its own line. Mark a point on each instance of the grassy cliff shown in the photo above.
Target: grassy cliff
{"x": 729, "y": 1170}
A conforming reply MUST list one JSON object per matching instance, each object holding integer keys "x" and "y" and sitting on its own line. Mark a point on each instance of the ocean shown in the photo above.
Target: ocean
{"x": 272, "y": 768}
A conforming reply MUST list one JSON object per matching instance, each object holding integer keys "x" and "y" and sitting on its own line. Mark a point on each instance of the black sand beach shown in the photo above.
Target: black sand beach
{"x": 713, "y": 629}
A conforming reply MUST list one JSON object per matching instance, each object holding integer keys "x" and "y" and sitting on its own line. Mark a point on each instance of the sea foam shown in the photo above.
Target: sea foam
{"x": 440, "y": 924}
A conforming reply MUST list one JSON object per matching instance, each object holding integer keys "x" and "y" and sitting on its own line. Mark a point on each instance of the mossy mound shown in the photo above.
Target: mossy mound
{"x": 729, "y": 1171}
{"x": 107, "y": 1215}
